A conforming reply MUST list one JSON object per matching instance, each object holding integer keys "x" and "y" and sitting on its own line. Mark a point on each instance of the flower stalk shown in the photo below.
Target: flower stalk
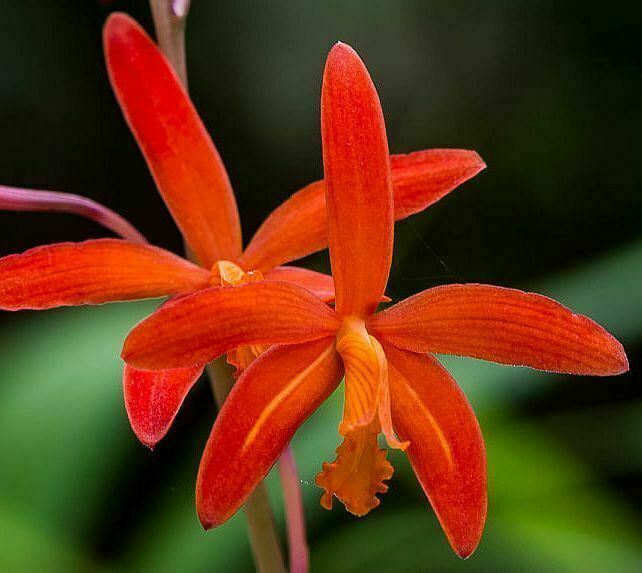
{"x": 169, "y": 22}
{"x": 298, "y": 547}
{"x": 264, "y": 540}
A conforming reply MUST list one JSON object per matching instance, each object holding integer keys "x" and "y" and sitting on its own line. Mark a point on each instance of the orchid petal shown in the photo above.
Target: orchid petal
{"x": 185, "y": 164}
{"x": 359, "y": 193}
{"x": 18, "y": 199}
{"x": 154, "y": 397}
{"x": 298, "y": 227}
{"x": 446, "y": 446}
{"x": 295, "y": 229}
{"x": 424, "y": 177}
{"x": 197, "y": 328}
{"x": 93, "y": 272}
{"x": 501, "y": 325}
{"x": 268, "y": 403}
{"x": 320, "y": 284}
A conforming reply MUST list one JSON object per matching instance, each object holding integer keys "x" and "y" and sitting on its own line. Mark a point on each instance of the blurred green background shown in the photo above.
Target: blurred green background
{"x": 548, "y": 92}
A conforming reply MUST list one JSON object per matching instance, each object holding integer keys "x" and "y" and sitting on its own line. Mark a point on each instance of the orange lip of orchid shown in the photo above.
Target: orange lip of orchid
{"x": 193, "y": 182}
{"x": 393, "y": 384}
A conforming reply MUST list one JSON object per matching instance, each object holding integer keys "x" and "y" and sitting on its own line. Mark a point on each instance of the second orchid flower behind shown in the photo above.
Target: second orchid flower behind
{"x": 393, "y": 384}
{"x": 194, "y": 184}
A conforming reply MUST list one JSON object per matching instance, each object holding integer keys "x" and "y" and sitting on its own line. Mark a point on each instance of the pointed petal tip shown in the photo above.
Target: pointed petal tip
{"x": 145, "y": 438}
{"x": 206, "y": 523}
{"x": 117, "y": 22}
{"x": 621, "y": 362}
{"x": 465, "y": 550}
{"x": 465, "y": 542}
{"x": 473, "y": 162}
{"x": 209, "y": 517}
{"x": 339, "y": 45}
{"x": 118, "y": 28}
{"x": 149, "y": 444}
{"x": 480, "y": 161}
{"x": 342, "y": 52}
{"x": 615, "y": 360}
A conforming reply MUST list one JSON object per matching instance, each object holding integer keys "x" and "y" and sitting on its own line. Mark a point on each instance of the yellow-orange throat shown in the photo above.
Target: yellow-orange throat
{"x": 228, "y": 274}
{"x": 360, "y": 468}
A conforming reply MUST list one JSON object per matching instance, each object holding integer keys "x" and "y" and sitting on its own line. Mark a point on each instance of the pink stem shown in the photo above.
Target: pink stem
{"x": 180, "y": 8}
{"x": 15, "y": 199}
{"x": 294, "y": 516}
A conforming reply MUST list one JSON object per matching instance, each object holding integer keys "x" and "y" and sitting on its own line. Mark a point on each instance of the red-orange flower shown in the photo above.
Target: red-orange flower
{"x": 195, "y": 186}
{"x": 393, "y": 384}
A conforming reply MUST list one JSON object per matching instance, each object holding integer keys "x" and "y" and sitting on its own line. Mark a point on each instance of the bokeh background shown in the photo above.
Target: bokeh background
{"x": 548, "y": 92}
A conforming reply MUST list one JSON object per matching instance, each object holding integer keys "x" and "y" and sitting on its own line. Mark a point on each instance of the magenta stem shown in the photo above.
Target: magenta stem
{"x": 180, "y": 8}
{"x": 17, "y": 199}
{"x": 294, "y": 516}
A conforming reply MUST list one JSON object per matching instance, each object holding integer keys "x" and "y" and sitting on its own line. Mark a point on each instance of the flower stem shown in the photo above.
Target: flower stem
{"x": 293, "y": 500}
{"x": 266, "y": 548}
{"x": 262, "y": 531}
{"x": 170, "y": 34}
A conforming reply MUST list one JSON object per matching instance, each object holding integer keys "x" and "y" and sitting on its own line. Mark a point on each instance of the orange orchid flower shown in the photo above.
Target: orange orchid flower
{"x": 194, "y": 184}
{"x": 393, "y": 384}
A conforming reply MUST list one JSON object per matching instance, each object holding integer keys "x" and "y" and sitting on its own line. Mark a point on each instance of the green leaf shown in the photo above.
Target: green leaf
{"x": 28, "y": 545}
{"x": 63, "y": 429}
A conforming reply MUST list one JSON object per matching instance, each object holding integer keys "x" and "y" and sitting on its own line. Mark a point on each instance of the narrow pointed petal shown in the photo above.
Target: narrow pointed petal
{"x": 501, "y": 325}
{"x": 359, "y": 193}
{"x": 298, "y": 227}
{"x": 446, "y": 446}
{"x": 93, "y": 272}
{"x": 266, "y": 406}
{"x": 423, "y": 177}
{"x": 185, "y": 164}
{"x": 18, "y": 199}
{"x": 154, "y": 397}
{"x": 320, "y": 284}
{"x": 197, "y": 328}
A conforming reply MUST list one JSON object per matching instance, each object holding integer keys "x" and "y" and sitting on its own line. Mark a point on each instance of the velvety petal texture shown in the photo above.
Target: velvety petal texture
{"x": 358, "y": 184}
{"x": 298, "y": 227}
{"x": 446, "y": 446}
{"x": 93, "y": 272}
{"x": 154, "y": 397}
{"x": 501, "y": 325}
{"x": 363, "y": 378}
{"x": 185, "y": 164}
{"x": 267, "y": 404}
{"x": 320, "y": 284}
{"x": 293, "y": 230}
{"x": 423, "y": 177}
{"x": 197, "y": 328}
